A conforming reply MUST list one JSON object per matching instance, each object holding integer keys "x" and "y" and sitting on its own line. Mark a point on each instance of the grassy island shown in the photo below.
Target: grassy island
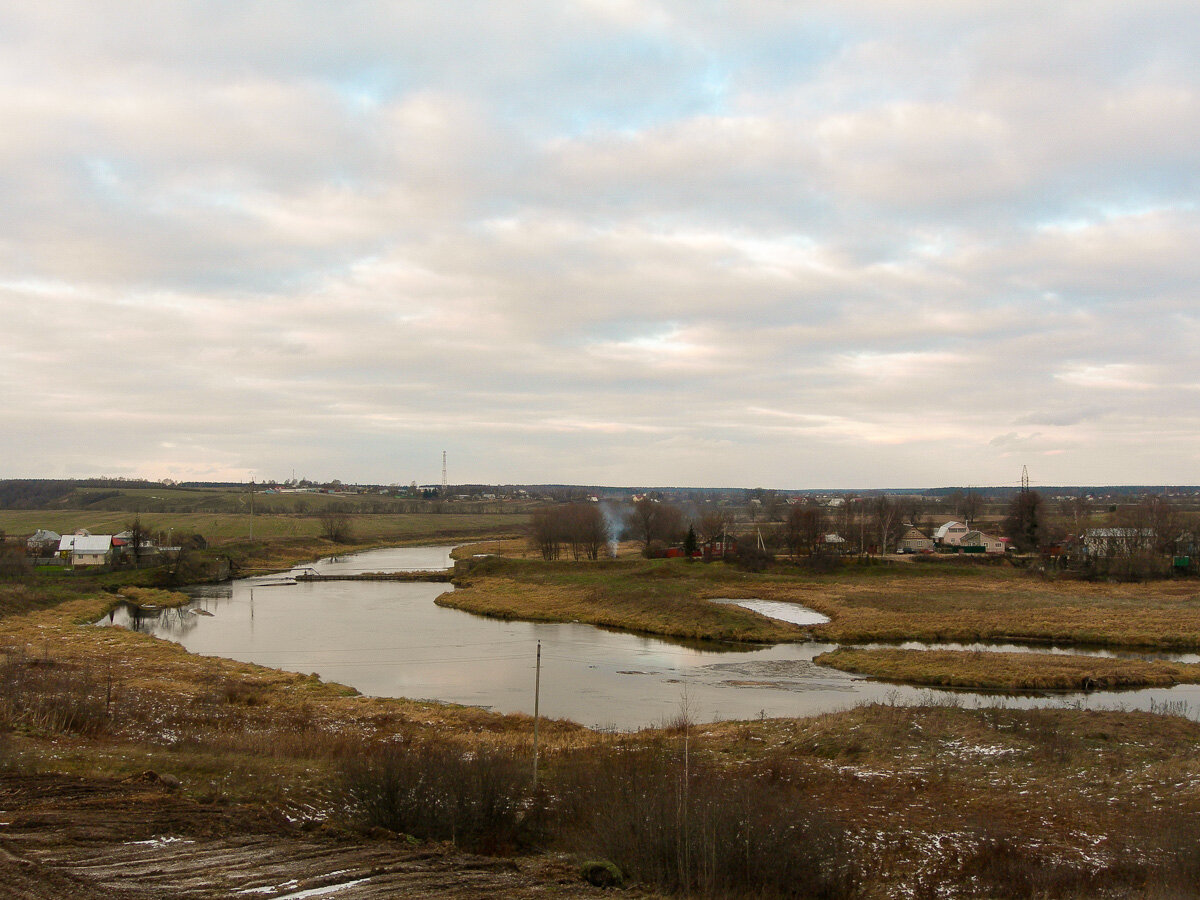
{"x": 1009, "y": 671}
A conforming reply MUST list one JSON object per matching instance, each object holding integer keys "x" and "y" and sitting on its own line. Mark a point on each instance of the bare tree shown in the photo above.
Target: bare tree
{"x": 335, "y": 525}
{"x": 655, "y": 521}
{"x": 805, "y": 526}
{"x": 713, "y": 524}
{"x": 139, "y": 534}
{"x": 1023, "y": 524}
{"x": 1160, "y": 517}
{"x": 1076, "y": 510}
{"x": 584, "y": 527}
{"x": 885, "y": 515}
{"x": 593, "y": 529}
{"x": 972, "y": 505}
{"x": 546, "y": 533}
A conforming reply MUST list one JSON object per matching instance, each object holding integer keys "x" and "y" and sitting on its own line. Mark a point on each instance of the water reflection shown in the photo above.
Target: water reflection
{"x": 390, "y": 639}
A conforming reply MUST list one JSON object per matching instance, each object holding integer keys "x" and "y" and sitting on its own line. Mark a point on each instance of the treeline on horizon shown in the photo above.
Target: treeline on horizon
{"x": 44, "y": 493}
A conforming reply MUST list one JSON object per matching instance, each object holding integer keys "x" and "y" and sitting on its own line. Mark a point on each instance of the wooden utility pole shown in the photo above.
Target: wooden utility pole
{"x": 537, "y": 690}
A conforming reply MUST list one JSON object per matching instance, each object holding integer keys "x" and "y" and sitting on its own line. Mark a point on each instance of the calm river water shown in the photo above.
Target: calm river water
{"x": 390, "y": 639}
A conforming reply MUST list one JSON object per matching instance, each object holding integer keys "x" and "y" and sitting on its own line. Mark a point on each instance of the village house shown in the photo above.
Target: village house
{"x": 1106, "y": 542}
{"x": 951, "y": 534}
{"x": 833, "y": 543}
{"x": 914, "y": 540}
{"x": 989, "y": 543}
{"x": 86, "y": 549}
{"x": 43, "y": 543}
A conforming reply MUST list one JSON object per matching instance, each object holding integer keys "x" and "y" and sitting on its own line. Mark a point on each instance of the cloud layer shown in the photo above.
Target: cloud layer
{"x": 851, "y": 244}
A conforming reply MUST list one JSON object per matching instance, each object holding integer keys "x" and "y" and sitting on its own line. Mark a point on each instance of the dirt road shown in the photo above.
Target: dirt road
{"x": 64, "y": 837}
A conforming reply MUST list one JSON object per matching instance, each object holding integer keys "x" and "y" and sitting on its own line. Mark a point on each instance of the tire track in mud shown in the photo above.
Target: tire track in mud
{"x": 64, "y": 838}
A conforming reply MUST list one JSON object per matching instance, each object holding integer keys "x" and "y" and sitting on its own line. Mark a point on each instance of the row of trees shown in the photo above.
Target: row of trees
{"x": 873, "y": 524}
{"x": 578, "y": 528}
{"x": 584, "y": 529}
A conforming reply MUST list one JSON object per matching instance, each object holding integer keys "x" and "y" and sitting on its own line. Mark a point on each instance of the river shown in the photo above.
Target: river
{"x": 389, "y": 639}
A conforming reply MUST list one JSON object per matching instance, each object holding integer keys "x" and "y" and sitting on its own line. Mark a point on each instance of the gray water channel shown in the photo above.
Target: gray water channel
{"x": 389, "y": 639}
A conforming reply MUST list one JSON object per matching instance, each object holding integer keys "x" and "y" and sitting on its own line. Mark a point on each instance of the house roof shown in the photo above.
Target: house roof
{"x": 980, "y": 536}
{"x": 92, "y": 543}
{"x": 941, "y": 532}
{"x": 1117, "y": 532}
{"x": 42, "y": 535}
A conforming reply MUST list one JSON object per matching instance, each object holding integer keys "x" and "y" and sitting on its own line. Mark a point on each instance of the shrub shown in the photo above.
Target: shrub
{"x": 751, "y": 557}
{"x": 1002, "y": 866}
{"x": 478, "y": 799}
{"x": 701, "y": 831}
{"x": 52, "y": 696}
{"x": 601, "y": 873}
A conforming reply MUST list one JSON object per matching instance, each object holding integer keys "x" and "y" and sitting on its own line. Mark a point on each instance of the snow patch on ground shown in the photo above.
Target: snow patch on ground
{"x": 322, "y": 891}
{"x": 775, "y": 609}
{"x": 158, "y": 842}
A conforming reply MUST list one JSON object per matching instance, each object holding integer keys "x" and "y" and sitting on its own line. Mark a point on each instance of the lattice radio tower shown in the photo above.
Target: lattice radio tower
{"x": 445, "y": 483}
{"x": 1024, "y": 479}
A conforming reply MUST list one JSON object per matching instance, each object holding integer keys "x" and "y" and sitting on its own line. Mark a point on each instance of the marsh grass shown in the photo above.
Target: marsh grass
{"x": 864, "y": 603}
{"x": 49, "y": 696}
{"x": 1007, "y": 605}
{"x": 145, "y": 596}
{"x": 667, "y": 597}
{"x": 1009, "y": 671}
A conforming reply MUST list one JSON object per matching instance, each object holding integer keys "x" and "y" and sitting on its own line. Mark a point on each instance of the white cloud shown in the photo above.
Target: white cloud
{"x": 861, "y": 243}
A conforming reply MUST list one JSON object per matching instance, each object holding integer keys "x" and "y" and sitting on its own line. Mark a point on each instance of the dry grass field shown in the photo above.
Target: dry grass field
{"x": 1003, "y": 605}
{"x": 1009, "y": 671}
{"x": 229, "y": 527}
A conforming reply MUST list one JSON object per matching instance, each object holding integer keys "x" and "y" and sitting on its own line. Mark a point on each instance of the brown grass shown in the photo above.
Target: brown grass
{"x": 144, "y": 596}
{"x": 666, "y": 597}
{"x": 223, "y": 528}
{"x": 1009, "y": 671}
{"x": 864, "y": 604}
{"x": 1003, "y": 605}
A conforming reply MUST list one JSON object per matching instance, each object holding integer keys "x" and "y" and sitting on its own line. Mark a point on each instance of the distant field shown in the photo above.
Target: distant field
{"x": 158, "y": 499}
{"x": 226, "y": 527}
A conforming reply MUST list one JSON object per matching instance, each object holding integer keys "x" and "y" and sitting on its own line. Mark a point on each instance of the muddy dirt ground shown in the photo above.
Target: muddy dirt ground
{"x": 76, "y": 839}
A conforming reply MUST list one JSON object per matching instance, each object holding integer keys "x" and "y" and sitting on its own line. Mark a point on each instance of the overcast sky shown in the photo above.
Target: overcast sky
{"x": 864, "y": 243}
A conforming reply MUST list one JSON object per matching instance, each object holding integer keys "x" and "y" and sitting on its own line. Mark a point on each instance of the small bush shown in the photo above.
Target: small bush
{"x": 479, "y": 799}
{"x": 751, "y": 557}
{"x": 49, "y": 695}
{"x": 601, "y": 873}
{"x": 702, "y": 831}
{"x": 1006, "y": 867}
